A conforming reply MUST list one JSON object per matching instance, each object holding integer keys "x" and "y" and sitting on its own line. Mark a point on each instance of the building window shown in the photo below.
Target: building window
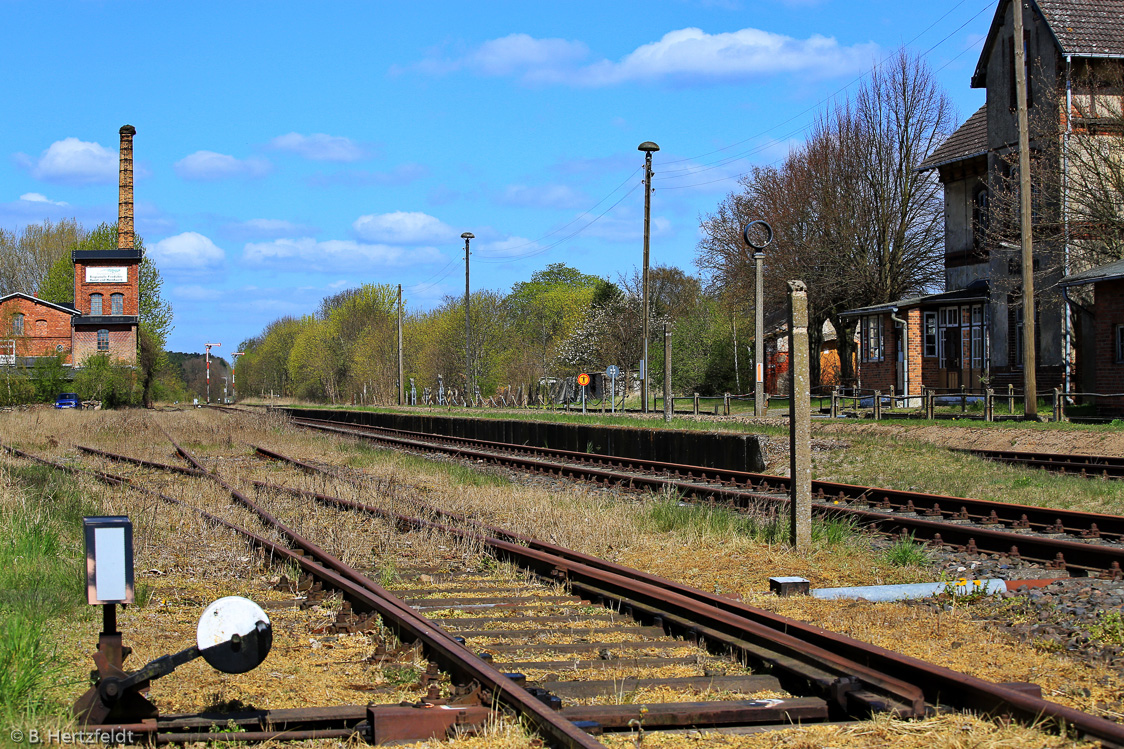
{"x": 117, "y": 304}
{"x": 95, "y": 304}
{"x": 40, "y": 327}
{"x": 980, "y": 216}
{"x": 103, "y": 340}
{"x": 1120, "y": 344}
{"x": 930, "y": 334}
{"x": 17, "y": 324}
{"x": 872, "y": 338}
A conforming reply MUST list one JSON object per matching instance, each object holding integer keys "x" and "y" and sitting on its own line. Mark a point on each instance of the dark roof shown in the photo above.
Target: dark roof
{"x": 1084, "y": 28}
{"x": 970, "y": 139}
{"x": 1107, "y": 272}
{"x": 67, "y": 307}
{"x": 977, "y": 292}
{"x": 85, "y": 255}
{"x": 1092, "y": 28}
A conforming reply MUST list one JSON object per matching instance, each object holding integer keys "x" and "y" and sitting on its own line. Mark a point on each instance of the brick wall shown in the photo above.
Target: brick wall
{"x": 122, "y": 343}
{"x": 1109, "y": 310}
{"x": 881, "y": 375}
{"x": 83, "y": 290}
{"x": 44, "y": 328}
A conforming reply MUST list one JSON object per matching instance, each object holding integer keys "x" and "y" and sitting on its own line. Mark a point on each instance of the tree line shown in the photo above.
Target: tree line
{"x": 554, "y": 325}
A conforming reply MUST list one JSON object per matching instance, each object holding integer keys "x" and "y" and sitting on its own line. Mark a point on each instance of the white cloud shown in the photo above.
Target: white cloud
{"x": 72, "y": 161}
{"x": 34, "y": 197}
{"x": 682, "y": 56}
{"x": 187, "y": 251}
{"x": 197, "y": 293}
{"x": 403, "y": 227}
{"x": 542, "y": 196}
{"x": 334, "y": 255}
{"x": 403, "y": 174}
{"x": 320, "y": 147}
{"x": 208, "y": 165}
{"x": 265, "y": 228}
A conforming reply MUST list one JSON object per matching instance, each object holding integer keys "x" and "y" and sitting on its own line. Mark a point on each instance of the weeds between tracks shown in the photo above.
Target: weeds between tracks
{"x": 188, "y": 563}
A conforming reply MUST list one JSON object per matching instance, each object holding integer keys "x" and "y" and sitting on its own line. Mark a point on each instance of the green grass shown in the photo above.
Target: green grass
{"x": 898, "y": 462}
{"x": 906, "y": 552}
{"x": 670, "y": 514}
{"x": 42, "y": 583}
{"x": 364, "y": 455}
{"x": 572, "y": 418}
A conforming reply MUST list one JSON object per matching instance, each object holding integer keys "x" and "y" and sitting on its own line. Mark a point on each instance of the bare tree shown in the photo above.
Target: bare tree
{"x": 26, "y": 257}
{"x": 852, "y": 216}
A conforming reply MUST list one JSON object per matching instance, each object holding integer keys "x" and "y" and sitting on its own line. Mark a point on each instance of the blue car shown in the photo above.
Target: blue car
{"x": 67, "y": 400}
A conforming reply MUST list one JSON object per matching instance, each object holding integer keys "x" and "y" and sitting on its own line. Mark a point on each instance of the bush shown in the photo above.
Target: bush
{"x": 15, "y": 388}
{"x": 49, "y": 378}
{"x": 114, "y": 385}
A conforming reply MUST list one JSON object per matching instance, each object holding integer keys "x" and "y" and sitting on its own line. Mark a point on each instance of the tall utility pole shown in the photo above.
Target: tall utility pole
{"x": 1030, "y": 384}
{"x": 648, "y": 147}
{"x": 468, "y": 379}
{"x": 209, "y": 346}
{"x": 401, "y": 383}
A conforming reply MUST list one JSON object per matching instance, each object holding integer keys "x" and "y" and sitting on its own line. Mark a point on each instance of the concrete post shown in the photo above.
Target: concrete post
{"x": 800, "y": 419}
{"x": 989, "y": 405}
{"x": 696, "y": 404}
{"x": 835, "y": 402}
{"x": 668, "y": 401}
{"x": 877, "y": 405}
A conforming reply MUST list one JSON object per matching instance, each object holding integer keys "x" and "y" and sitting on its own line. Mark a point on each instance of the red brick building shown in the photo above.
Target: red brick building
{"x": 1107, "y": 282}
{"x": 105, "y": 312}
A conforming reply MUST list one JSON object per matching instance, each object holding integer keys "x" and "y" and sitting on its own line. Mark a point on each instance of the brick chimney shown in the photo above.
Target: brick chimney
{"x": 125, "y": 206}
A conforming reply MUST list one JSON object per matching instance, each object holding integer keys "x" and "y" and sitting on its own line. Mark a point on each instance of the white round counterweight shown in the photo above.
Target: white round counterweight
{"x": 234, "y": 635}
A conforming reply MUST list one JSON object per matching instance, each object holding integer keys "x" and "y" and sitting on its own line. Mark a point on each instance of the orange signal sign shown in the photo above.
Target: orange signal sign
{"x": 583, "y": 379}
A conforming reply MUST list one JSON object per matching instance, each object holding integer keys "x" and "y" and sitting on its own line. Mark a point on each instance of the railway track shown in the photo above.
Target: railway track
{"x": 1080, "y": 542}
{"x": 1086, "y": 466}
{"x": 513, "y": 643}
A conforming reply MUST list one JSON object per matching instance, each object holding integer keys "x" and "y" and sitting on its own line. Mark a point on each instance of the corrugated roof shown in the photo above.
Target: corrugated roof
{"x": 1085, "y": 28}
{"x": 970, "y": 139}
{"x": 1107, "y": 272}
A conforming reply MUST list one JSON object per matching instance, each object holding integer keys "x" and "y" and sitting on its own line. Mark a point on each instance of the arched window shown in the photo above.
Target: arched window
{"x": 17, "y": 324}
{"x": 103, "y": 340}
{"x": 117, "y": 304}
{"x": 95, "y": 304}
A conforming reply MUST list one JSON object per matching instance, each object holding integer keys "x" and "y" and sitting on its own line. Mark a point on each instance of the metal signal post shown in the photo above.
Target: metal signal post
{"x": 757, "y": 235}
{"x": 209, "y": 345}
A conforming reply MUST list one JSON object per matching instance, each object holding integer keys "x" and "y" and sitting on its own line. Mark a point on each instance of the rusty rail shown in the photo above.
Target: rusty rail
{"x": 886, "y": 510}
{"x": 941, "y": 686}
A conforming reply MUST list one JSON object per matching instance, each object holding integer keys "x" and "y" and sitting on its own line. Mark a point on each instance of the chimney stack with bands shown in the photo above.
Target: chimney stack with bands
{"x": 125, "y": 206}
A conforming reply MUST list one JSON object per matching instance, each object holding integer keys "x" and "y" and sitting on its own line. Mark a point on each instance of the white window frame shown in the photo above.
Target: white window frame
{"x": 931, "y": 335}
{"x": 872, "y": 339}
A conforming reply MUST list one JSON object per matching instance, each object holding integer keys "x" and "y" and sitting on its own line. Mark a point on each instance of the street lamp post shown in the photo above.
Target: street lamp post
{"x": 648, "y": 147}
{"x": 468, "y": 379}
{"x": 233, "y": 378}
{"x": 209, "y": 346}
{"x": 757, "y": 235}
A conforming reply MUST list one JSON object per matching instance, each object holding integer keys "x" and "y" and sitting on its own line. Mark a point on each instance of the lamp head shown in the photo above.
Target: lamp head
{"x": 647, "y": 146}
{"x": 468, "y": 235}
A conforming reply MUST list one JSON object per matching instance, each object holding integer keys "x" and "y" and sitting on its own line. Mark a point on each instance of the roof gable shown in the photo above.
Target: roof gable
{"x": 970, "y": 139}
{"x": 68, "y": 309}
{"x": 1083, "y": 28}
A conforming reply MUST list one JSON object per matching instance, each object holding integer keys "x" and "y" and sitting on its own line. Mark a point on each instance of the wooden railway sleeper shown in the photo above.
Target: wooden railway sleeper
{"x": 848, "y": 693}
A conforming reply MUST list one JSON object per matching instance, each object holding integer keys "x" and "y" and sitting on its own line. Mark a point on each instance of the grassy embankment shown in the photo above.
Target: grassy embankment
{"x": 41, "y": 589}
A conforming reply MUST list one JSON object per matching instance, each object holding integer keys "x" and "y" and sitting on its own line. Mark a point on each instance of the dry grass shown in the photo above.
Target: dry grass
{"x": 187, "y": 563}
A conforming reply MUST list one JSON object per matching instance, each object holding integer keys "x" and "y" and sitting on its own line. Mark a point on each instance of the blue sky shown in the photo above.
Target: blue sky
{"x": 286, "y": 151}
